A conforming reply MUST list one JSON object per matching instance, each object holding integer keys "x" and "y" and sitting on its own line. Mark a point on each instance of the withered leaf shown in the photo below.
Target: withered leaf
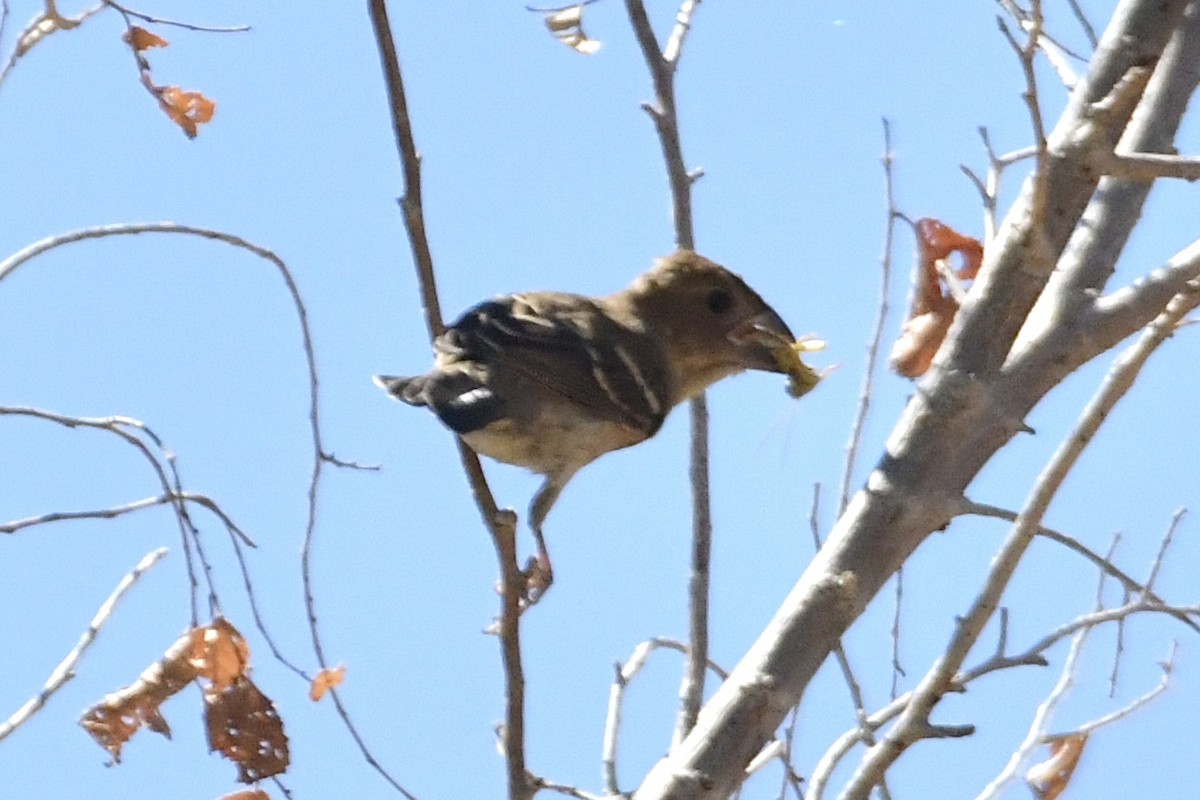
{"x": 219, "y": 653}
{"x": 141, "y": 39}
{"x": 188, "y": 110}
{"x": 244, "y": 726}
{"x": 567, "y": 26}
{"x": 934, "y": 304}
{"x": 113, "y": 720}
{"x": 325, "y": 680}
{"x": 1049, "y": 779}
{"x": 248, "y": 794}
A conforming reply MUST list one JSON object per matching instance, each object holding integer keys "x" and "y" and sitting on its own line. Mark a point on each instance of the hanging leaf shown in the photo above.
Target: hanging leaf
{"x": 935, "y": 294}
{"x": 566, "y": 25}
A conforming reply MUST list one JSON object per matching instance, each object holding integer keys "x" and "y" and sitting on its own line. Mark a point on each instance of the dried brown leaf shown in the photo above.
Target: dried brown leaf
{"x": 934, "y": 304}
{"x": 248, "y": 794}
{"x": 188, "y": 110}
{"x": 141, "y": 39}
{"x": 1049, "y": 779}
{"x": 113, "y": 720}
{"x": 567, "y": 26}
{"x": 219, "y": 653}
{"x": 244, "y": 726}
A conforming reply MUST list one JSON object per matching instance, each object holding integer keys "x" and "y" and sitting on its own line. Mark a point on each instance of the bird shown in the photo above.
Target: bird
{"x": 551, "y": 381}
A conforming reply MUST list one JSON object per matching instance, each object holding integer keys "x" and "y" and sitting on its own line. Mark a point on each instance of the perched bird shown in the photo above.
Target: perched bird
{"x": 552, "y": 381}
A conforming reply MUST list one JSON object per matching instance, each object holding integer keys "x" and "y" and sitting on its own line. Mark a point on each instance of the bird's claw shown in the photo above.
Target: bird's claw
{"x": 537, "y": 577}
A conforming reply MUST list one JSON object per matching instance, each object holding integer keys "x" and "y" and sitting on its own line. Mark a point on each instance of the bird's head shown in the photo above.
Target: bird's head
{"x": 710, "y": 322}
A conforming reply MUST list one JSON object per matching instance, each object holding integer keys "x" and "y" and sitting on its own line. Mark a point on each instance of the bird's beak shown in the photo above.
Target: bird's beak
{"x": 760, "y": 340}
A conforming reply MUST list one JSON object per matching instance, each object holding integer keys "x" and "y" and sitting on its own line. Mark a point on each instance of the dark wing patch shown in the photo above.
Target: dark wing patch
{"x": 566, "y": 344}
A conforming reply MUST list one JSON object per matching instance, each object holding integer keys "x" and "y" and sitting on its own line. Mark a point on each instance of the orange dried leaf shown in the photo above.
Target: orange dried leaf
{"x": 934, "y": 304}
{"x": 141, "y": 39}
{"x": 244, "y": 726}
{"x": 249, "y": 794}
{"x": 1049, "y": 779}
{"x": 939, "y": 241}
{"x": 326, "y": 679}
{"x": 219, "y": 653}
{"x": 913, "y": 352}
{"x": 188, "y": 110}
{"x": 115, "y": 719}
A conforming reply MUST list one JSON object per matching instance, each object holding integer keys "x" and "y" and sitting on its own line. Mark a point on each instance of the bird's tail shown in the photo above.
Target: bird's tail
{"x": 406, "y": 390}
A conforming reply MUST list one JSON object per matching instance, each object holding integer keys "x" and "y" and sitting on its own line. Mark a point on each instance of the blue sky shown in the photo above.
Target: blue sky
{"x": 540, "y": 171}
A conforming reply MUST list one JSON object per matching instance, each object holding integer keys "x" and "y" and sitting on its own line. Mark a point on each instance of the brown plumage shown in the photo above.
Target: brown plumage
{"x": 552, "y": 381}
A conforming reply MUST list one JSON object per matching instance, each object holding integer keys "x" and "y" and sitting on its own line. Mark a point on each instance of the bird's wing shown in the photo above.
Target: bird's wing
{"x": 566, "y": 344}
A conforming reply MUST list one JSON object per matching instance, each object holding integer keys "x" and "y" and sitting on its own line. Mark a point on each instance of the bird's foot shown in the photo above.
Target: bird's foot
{"x": 535, "y": 580}
{"x": 538, "y": 577}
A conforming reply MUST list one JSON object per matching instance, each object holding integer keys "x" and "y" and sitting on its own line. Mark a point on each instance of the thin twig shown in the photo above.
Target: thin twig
{"x": 1041, "y": 719}
{"x": 1088, "y": 728}
{"x": 885, "y": 283}
{"x": 1148, "y": 592}
{"x": 998, "y": 661}
{"x": 662, "y": 66}
{"x": 500, "y": 525}
{"x": 1070, "y": 542}
{"x": 989, "y": 190}
{"x": 791, "y": 779}
{"x": 1037, "y": 734}
{"x": 3, "y": 19}
{"x": 118, "y": 427}
{"x": 556, "y": 9}
{"x": 410, "y": 161}
{"x": 1120, "y": 647}
{"x": 1057, "y": 53}
{"x": 897, "y": 668}
{"x": 1156, "y": 566}
{"x": 14, "y": 261}
{"x": 1026, "y": 54}
{"x": 129, "y": 12}
{"x": 539, "y": 783}
{"x": 47, "y": 22}
{"x": 137, "y": 505}
{"x": 616, "y": 697}
{"x": 1088, "y": 30}
{"x": 66, "y": 668}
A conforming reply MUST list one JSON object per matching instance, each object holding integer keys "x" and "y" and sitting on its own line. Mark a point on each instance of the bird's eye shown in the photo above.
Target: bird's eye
{"x": 719, "y": 301}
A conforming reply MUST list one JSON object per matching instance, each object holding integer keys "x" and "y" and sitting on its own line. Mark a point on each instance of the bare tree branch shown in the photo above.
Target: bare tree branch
{"x": 66, "y": 668}
{"x": 1137, "y": 703}
{"x": 999, "y": 660}
{"x": 989, "y": 190}
{"x": 501, "y": 525}
{"x": 128, "y": 508}
{"x": 1130, "y": 584}
{"x": 119, "y": 427}
{"x": 1111, "y": 216}
{"x": 916, "y": 486}
{"x": 45, "y": 23}
{"x": 1084, "y": 23}
{"x": 1032, "y": 22}
{"x": 129, "y": 12}
{"x": 616, "y": 697}
{"x": 913, "y": 722}
{"x": 885, "y": 287}
{"x": 662, "y": 67}
{"x": 1041, "y": 718}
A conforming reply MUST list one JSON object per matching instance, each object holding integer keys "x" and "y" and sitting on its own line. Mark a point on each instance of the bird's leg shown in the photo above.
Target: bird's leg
{"x": 539, "y": 574}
